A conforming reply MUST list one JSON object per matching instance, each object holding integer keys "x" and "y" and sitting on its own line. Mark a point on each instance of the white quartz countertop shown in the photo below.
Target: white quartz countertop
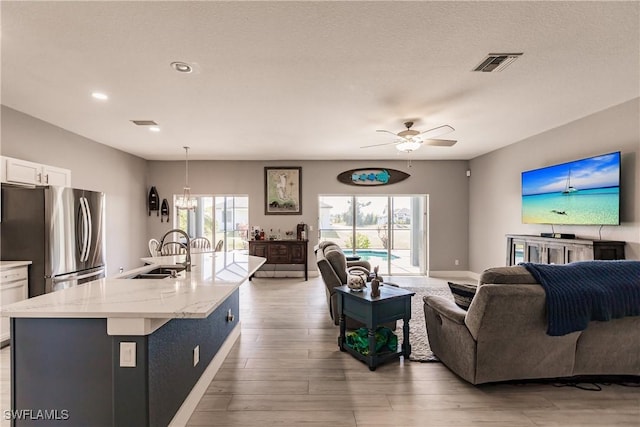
{"x": 213, "y": 277}
{"x": 12, "y": 264}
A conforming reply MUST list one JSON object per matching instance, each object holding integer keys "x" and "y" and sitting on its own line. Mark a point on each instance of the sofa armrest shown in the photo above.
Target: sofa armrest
{"x": 446, "y": 308}
{"x": 361, "y": 263}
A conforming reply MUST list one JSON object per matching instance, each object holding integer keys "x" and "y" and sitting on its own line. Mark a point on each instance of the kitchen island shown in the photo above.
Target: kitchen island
{"x": 125, "y": 351}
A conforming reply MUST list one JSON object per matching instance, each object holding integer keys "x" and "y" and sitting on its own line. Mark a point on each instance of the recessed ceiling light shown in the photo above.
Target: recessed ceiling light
{"x": 99, "y": 95}
{"x": 181, "y": 67}
{"x": 154, "y": 129}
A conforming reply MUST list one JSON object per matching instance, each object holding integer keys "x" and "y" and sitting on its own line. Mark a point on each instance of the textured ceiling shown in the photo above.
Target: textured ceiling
{"x": 314, "y": 80}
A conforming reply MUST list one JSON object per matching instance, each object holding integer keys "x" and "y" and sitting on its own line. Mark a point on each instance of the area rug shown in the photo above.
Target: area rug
{"x": 420, "y": 349}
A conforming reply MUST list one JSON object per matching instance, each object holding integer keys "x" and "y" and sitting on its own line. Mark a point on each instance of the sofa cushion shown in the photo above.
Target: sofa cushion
{"x": 338, "y": 262}
{"x": 516, "y": 275}
{"x": 463, "y": 293}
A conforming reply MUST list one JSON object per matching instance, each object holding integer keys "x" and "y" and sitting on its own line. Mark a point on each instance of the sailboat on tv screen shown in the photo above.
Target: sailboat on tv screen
{"x": 568, "y": 188}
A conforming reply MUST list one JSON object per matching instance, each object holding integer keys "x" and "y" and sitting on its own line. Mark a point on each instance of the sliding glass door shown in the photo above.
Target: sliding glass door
{"x": 388, "y": 231}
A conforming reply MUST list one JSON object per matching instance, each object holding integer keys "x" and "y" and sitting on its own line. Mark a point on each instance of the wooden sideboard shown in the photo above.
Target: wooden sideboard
{"x": 548, "y": 250}
{"x": 281, "y": 252}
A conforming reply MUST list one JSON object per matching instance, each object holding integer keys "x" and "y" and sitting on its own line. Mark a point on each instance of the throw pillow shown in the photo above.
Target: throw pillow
{"x": 463, "y": 294}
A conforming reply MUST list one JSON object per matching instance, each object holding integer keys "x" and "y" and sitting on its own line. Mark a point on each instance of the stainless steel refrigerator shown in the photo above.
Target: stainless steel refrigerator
{"x": 61, "y": 230}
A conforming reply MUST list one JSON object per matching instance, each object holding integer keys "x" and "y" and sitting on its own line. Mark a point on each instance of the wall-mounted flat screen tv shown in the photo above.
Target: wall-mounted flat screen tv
{"x": 582, "y": 192}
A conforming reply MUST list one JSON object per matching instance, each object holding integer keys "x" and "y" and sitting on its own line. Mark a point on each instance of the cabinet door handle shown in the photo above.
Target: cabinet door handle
{"x": 46, "y": 179}
{"x": 39, "y": 177}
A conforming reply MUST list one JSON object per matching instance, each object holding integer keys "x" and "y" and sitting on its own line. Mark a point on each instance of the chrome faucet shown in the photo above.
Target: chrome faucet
{"x": 187, "y": 261}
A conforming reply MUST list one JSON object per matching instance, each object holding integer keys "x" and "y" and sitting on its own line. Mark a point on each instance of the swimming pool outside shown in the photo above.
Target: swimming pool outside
{"x": 369, "y": 254}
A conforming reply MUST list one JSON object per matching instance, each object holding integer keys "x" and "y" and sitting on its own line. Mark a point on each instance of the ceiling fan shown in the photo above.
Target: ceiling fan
{"x": 410, "y": 140}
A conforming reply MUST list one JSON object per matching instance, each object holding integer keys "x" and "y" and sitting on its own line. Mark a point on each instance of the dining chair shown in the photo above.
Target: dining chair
{"x": 154, "y": 247}
{"x": 173, "y": 248}
{"x": 219, "y": 245}
{"x": 201, "y": 243}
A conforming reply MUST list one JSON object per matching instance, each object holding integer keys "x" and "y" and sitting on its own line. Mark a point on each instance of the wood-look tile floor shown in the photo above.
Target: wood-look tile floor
{"x": 286, "y": 370}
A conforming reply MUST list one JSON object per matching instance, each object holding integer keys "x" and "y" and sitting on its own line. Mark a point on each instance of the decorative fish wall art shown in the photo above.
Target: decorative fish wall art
{"x": 372, "y": 176}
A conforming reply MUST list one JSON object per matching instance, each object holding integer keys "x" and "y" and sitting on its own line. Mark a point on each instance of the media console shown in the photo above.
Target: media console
{"x": 552, "y": 250}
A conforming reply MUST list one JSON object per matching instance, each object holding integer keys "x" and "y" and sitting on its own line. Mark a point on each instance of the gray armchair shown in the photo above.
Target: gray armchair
{"x": 334, "y": 269}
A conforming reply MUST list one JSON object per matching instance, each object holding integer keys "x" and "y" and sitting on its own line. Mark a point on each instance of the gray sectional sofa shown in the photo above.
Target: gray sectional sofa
{"x": 503, "y": 335}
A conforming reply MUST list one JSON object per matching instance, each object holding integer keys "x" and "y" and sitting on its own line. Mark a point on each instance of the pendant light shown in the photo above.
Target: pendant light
{"x": 186, "y": 201}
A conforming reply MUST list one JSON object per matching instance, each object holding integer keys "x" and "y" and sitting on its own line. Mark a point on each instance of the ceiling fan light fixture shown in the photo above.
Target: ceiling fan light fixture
{"x": 408, "y": 146}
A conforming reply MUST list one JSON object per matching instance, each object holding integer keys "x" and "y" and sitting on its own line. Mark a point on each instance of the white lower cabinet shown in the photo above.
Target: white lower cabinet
{"x": 14, "y": 286}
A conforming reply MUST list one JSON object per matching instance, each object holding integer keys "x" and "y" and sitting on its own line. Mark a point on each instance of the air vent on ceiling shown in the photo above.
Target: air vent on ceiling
{"x": 144, "y": 122}
{"x": 497, "y": 62}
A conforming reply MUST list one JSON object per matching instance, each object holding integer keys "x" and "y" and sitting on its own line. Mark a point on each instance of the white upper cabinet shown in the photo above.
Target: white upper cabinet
{"x": 52, "y": 175}
{"x": 18, "y": 171}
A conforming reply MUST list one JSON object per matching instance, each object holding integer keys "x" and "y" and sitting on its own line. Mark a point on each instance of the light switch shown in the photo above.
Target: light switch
{"x": 127, "y": 354}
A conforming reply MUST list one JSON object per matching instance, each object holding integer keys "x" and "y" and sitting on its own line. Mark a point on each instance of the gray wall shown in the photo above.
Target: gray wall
{"x": 445, "y": 182}
{"x": 468, "y": 216}
{"x": 495, "y": 207}
{"x": 93, "y": 167}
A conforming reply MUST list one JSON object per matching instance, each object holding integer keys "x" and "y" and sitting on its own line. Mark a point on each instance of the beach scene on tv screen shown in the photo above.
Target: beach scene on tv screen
{"x": 585, "y": 191}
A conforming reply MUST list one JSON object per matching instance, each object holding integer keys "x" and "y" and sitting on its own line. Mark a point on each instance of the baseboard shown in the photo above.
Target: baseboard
{"x": 189, "y": 405}
{"x": 454, "y": 274}
{"x": 284, "y": 273}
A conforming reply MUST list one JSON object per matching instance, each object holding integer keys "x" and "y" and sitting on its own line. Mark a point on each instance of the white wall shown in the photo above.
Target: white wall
{"x": 495, "y": 194}
{"x": 93, "y": 167}
{"x": 445, "y": 182}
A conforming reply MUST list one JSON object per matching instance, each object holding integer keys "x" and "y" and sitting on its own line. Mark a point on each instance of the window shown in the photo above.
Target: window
{"x": 218, "y": 218}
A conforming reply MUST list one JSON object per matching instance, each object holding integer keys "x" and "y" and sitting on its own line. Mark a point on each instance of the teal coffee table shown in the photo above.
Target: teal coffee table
{"x": 393, "y": 304}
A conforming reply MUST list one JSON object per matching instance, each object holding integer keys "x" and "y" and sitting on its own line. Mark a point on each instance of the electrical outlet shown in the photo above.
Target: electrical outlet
{"x": 127, "y": 354}
{"x": 196, "y": 355}
{"x": 311, "y": 228}
{"x": 457, "y": 262}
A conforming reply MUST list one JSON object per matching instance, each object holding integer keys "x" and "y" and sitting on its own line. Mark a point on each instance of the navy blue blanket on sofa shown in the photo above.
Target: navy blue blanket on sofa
{"x": 588, "y": 290}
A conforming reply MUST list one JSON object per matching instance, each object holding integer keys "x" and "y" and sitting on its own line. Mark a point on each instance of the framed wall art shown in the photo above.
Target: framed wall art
{"x": 282, "y": 190}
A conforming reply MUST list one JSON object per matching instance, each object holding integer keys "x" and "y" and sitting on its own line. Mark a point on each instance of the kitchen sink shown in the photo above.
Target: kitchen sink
{"x": 160, "y": 272}
{"x": 166, "y": 269}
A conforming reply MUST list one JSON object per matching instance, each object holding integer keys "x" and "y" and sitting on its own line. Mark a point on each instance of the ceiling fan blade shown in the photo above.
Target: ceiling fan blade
{"x": 379, "y": 145}
{"x": 387, "y": 131}
{"x": 440, "y": 142}
{"x": 435, "y": 132}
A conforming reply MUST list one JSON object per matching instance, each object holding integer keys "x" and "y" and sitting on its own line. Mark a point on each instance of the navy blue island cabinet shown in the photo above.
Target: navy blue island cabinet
{"x": 68, "y": 371}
